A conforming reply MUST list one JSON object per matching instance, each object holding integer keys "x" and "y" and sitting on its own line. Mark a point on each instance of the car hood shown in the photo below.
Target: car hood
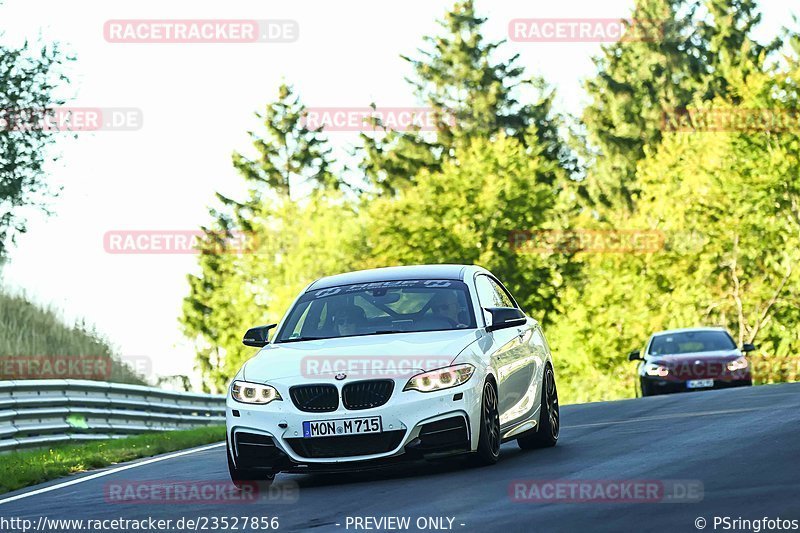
{"x": 368, "y": 355}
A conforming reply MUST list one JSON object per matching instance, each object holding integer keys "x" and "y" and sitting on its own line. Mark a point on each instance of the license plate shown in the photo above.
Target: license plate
{"x": 348, "y": 426}
{"x": 700, "y": 383}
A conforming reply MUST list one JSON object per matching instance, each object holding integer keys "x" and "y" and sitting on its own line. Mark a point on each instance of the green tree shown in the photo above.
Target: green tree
{"x": 288, "y": 153}
{"x": 739, "y": 190}
{"x": 255, "y": 254}
{"x": 218, "y": 306}
{"x": 467, "y": 211}
{"x": 714, "y": 195}
{"x": 471, "y": 94}
{"x": 29, "y": 80}
{"x": 731, "y": 51}
{"x": 727, "y": 205}
{"x": 638, "y": 81}
{"x": 240, "y": 288}
{"x": 688, "y": 53}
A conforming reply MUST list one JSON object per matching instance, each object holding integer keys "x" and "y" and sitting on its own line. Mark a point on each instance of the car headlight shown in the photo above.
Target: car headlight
{"x": 442, "y": 378}
{"x": 739, "y": 364}
{"x": 652, "y": 369}
{"x": 246, "y": 392}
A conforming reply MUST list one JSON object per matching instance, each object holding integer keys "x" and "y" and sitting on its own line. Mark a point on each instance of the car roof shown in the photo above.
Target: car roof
{"x": 689, "y": 330}
{"x": 399, "y": 273}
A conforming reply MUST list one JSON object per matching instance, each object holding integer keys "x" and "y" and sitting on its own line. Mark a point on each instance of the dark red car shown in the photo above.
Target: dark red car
{"x": 682, "y": 360}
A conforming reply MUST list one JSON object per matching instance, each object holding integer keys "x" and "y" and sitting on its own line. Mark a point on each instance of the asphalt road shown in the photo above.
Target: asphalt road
{"x": 743, "y": 445}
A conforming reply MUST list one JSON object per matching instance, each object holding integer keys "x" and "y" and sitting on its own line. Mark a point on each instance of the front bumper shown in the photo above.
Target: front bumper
{"x": 415, "y": 425}
{"x": 654, "y": 385}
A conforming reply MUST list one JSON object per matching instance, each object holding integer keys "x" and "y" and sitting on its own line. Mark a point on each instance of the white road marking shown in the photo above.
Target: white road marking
{"x": 109, "y": 472}
{"x": 667, "y": 417}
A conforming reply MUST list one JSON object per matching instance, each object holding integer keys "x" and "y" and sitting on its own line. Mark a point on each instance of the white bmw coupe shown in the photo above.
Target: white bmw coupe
{"x": 377, "y": 366}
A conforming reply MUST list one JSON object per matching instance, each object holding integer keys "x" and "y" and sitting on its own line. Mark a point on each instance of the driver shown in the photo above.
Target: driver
{"x": 348, "y": 318}
{"x": 445, "y": 305}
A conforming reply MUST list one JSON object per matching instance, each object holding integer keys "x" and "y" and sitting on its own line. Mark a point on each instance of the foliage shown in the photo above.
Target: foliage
{"x": 467, "y": 212}
{"x": 727, "y": 203}
{"x": 471, "y": 94}
{"x": 256, "y": 255}
{"x": 28, "y": 82}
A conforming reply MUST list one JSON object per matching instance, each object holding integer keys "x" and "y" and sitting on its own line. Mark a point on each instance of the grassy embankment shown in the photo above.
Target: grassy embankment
{"x": 34, "y": 332}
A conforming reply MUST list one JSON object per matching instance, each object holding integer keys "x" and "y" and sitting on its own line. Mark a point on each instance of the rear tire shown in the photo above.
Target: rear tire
{"x": 489, "y": 438}
{"x": 549, "y": 417}
{"x": 242, "y": 477}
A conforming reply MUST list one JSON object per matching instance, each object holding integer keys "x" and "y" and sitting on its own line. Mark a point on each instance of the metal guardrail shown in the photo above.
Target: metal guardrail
{"x": 52, "y": 411}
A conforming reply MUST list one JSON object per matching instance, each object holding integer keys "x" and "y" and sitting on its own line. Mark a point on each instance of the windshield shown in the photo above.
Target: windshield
{"x": 691, "y": 342}
{"x": 376, "y": 308}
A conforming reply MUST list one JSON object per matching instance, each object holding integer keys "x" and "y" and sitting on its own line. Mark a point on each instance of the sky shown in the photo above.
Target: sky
{"x": 196, "y": 103}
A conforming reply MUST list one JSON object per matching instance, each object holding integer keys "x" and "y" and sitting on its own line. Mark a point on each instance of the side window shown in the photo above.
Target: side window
{"x": 490, "y": 294}
{"x": 501, "y": 295}
{"x": 487, "y": 296}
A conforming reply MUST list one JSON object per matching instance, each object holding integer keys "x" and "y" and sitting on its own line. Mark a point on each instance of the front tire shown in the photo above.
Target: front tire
{"x": 489, "y": 438}
{"x": 648, "y": 390}
{"x": 549, "y": 417}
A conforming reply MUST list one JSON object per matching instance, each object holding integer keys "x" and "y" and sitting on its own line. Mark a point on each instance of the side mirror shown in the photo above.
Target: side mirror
{"x": 505, "y": 317}
{"x": 258, "y": 337}
{"x": 747, "y": 347}
{"x": 635, "y": 355}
